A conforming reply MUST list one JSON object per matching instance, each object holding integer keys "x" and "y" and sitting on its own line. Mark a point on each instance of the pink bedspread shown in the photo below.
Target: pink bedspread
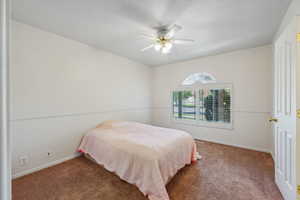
{"x": 140, "y": 154}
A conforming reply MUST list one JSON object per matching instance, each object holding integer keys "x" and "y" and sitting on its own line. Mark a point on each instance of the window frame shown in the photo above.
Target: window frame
{"x": 197, "y": 122}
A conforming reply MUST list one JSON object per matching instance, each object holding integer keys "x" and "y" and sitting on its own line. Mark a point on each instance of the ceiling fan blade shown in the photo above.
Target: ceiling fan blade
{"x": 148, "y": 47}
{"x": 172, "y": 30}
{"x": 182, "y": 41}
{"x": 146, "y": 36}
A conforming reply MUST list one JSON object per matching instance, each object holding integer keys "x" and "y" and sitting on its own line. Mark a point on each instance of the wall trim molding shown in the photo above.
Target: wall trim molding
{"x": 235, "y": 145}
{"x": 78, "y": 114}
{"x": 113, "y": 111}
{"x": 236, "y": 111}
{"x": 44, "y": 166}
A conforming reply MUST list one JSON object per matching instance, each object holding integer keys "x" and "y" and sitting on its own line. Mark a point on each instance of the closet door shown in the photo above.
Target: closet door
{"x": 284, "y": 119}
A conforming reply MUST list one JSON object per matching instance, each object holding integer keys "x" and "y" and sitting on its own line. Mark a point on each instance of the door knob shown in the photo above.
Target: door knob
{"x": 273, "y": 120}
{"x": 298, "y": 113}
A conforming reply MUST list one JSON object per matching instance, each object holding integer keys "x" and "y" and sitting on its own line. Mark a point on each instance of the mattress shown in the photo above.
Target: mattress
{"x": 143, "y": 155}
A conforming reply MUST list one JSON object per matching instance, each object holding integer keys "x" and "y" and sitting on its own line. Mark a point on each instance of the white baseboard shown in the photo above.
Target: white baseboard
{"x": 52, "y": 163}
{"x": 237, "y": 145}
{"x": 273, "y": 156}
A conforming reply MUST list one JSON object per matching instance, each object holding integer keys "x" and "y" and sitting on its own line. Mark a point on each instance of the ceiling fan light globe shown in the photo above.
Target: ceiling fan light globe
{"x": 168, "y": 45}
{"x": 165, "y": 50}
{"x": 157, "y": 47}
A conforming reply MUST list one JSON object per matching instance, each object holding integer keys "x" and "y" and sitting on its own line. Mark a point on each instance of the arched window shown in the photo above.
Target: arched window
{"x": 202, "y": 100}
{"x": 203, "y": 78}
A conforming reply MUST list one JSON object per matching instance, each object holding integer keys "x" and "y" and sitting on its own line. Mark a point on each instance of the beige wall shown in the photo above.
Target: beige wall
{"x": 250, "y": 73}
{"x": 61, "y": 88}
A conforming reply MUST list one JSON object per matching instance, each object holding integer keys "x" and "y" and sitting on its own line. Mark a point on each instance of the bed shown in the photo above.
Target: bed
{"x": 143, "y": 155}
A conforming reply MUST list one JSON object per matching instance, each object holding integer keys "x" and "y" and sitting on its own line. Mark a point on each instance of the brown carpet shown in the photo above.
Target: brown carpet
{"x": 224, "y": 173}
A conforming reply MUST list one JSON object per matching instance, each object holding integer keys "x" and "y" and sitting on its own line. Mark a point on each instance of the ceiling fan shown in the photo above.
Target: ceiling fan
{"x": 164, "y": 39}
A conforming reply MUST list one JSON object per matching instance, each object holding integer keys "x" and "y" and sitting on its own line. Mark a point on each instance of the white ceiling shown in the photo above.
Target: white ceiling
{"x": 115, "y": 25}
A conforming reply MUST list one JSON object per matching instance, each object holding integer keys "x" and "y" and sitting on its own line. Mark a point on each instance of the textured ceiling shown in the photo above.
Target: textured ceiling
{"x": 115, "y": 25}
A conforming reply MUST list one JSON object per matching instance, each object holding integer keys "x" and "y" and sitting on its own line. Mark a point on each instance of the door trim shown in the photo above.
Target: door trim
{"x": 5, "y": 147}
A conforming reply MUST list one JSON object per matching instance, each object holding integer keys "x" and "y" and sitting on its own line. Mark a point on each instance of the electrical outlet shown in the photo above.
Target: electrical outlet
{"x": 23, "y": 160}
{"x": 50, "y": 153}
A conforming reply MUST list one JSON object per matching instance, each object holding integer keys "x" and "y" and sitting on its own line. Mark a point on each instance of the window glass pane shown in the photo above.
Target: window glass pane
{"x": 203, "y": 78}
{"x": 175, "y": 104}
{"x": 227, "y": 105}
{"x": 201, "y": 105}
{"x": 217, "y": 105}
{"x": 184, "y": 105}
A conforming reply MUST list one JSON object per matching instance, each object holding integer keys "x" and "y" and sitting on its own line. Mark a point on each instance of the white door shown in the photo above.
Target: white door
{"x": 284, "y": 128}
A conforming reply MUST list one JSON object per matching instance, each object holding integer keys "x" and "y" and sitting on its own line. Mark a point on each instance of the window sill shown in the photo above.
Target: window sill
{"x": 199, "y": 123}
